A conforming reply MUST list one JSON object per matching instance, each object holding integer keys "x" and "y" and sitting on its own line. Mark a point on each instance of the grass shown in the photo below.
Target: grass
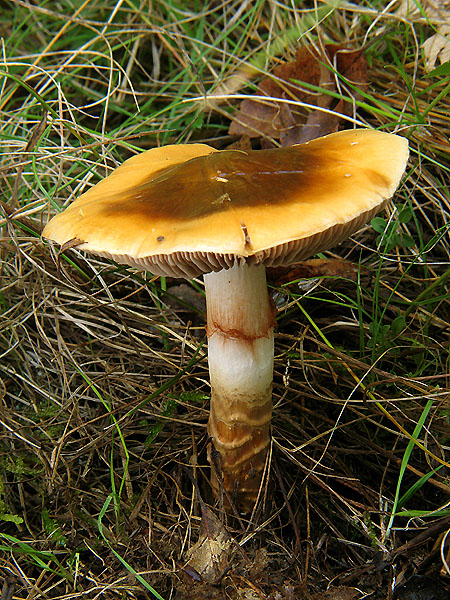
{"x": 103, "y": 377}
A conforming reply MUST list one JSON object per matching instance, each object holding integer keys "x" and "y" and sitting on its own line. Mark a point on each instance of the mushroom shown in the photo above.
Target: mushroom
{"x": 187, "y": 210}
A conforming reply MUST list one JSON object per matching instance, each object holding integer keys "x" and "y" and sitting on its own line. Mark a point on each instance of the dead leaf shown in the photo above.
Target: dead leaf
{"x": 291, "y": 123}
{"x": 185, "y": 297}
{"x": 437, "y": 13}
{"x": 210, "y": 556}
{"x": 242, "y": 143}
{"x": 317, "y": 124}
{"x": 314, "y": 267}
{"x": 437, "y": 47}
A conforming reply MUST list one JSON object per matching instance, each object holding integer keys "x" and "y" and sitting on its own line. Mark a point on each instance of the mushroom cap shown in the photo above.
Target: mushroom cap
{"x": 188, "y": 209}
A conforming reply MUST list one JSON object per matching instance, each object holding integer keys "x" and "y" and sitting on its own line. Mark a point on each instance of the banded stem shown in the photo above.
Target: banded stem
{"x": 240, "y": 351}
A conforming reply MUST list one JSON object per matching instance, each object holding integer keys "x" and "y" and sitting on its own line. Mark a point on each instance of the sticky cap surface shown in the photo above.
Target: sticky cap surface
{"x": 189, "y": 209}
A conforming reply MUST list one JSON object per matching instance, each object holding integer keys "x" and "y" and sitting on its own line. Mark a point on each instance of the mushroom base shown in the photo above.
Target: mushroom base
{"x": 240, "y": 352}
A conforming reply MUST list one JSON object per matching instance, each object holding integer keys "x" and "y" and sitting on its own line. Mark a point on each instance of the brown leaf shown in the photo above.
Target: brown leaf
{"x": 314, "y": 267}
{"x": 437, "y": 47}
{"x": 242, "y": 143}
{"x": 290, "y": 123}
{"x": 210, "y": 556}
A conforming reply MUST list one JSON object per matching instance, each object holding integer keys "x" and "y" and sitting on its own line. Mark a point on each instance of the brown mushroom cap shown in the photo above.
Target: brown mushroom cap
{"x": 189, "y": 209}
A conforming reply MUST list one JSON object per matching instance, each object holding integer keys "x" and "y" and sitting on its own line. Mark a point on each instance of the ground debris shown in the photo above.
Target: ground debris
{"x": 314, "y": 267}
{"x": 296, "y": 81}
{"x": 338, "y": 593}
{"x": 210, "y": 556}
{"x": 423, "y": 588}
{"x": 437, "y": 46}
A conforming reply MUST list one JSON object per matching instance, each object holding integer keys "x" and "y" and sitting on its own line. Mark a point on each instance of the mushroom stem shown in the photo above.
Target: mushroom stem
{"x": 240, "y": 352}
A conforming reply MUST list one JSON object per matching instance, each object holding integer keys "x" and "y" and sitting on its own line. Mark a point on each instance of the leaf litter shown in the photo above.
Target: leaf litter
{"x": 437, "y": 13}
{"x": 313, "y": 79}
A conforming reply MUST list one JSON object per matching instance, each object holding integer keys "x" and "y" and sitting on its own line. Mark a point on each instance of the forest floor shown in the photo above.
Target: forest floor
{"x": 104, "y": 389}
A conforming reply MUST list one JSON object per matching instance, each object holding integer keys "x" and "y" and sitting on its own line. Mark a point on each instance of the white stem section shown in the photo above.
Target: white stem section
{"x": 240, "y": 350}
